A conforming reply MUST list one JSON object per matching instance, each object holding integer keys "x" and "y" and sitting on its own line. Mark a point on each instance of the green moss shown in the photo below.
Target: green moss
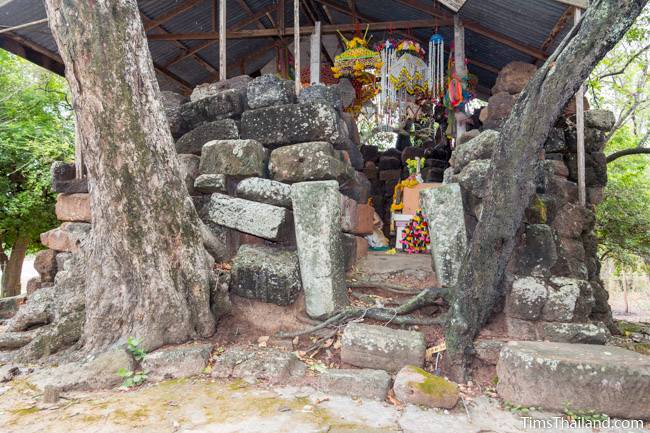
{"x": 237, "y": 384}
{"x": 434, "y": 386}
{"x": 25, "y": 410}
{"x": 540, "y": 208}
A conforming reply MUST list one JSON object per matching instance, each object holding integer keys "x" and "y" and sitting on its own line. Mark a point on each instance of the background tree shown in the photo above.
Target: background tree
{"x": 36, "y": 128}
{"x": 148, "y": 274}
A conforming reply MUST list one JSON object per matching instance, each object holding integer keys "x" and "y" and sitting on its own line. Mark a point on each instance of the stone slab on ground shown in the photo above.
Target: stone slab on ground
{"x": 97, "y": 373}
{"x": 253, "y": 363}
{"x": 68, "y": 237}
{"x": 193, "y": 141}
{"x": 365, "y": 383}
{"x": 244, "y": 158}
{"x": 609, "y": 379}
{"x": 265, "y": 191}
{"x": 317, "y": 213}
{"x": 266, "y": 273}
{"x": 380, "y": 347}
{"x": 259, "y": 219}
{"x": 73, "y": 207}
{"x": 416, "y": 386}
{"x": 443, "y": 207}
{"x": 177, "y": 361}
{"x": 292, "y": 123}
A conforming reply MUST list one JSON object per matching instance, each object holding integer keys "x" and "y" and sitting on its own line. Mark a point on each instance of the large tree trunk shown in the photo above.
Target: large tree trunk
{"x": 512, "y": 169}
{"x": 13, "y": 268}
{"x": 148, "y": 274}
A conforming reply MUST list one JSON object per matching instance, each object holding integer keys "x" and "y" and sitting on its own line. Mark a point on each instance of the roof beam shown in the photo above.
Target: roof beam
{"x": 196, "y": 57}
{"x": 477, "y": 28}
{"x": 559, "y": 25}
{"x": 163, "y": 18}
{"x": 582, "y": 4}
{"x": 261, "y": 33}
{"x": 237, "y": 26}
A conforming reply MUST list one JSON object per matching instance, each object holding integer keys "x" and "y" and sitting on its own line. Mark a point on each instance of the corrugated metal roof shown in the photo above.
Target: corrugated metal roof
{"x": 526, "y": 21}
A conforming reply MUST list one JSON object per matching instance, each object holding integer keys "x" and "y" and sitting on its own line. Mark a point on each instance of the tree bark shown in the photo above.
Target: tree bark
{"x": 13, "y": 268}
{"x": 148, "y": 274}
{"x": 512, "y": 171}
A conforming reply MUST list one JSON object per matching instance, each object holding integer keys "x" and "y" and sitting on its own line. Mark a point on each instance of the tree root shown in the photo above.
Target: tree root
{"x": 398, "y": 316}
{"x": 379, "y": 285}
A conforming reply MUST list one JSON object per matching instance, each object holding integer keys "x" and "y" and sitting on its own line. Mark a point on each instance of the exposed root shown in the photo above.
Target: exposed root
{"x": 384, "y": 286}
{"x": 398, "y": 316}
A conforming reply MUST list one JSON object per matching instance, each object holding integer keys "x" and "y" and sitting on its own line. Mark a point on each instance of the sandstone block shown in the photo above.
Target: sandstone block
{"x": 177, "y": 361}
{"x": 479, "y": 147}
{"x": 526, "y": 298}
{"x": 73, "y": 207}
{"x": 549, "y": 375}
{"x": 443, "y": 207}
{"x": 310, "y": 161}
{"x": 267, "y": 274}
{"x": 45, "y": 264}
{"x": 289, "y": 124}
{"x": 379, "y": 347}
{"x": 172, "y": 103}
{"x": 225, "y": 104}
{"x": 210, "y": 89}
{"x": 265, "y": 191}
{"x": 354, "y": 248}
{"x": 602, "y": 120}
{"x": 259, "y": 219}
{"x": 498, "y": 109}
{"x": 68, "y": 237}
{"x": 64, "y": 181}
{"x": 252, "y": 364}
{"x": 193, "y": 141}
{"x": 269, "y": 90}
{"x": 356, "y": 218}
{"x": 416, "y": 386}
{"x": 317, "y": 211}
{"x": 577, "y": 333}
{"x": 513, "y": 77}
{"x": 209, "y": 183}
{"x": 244, "y": 158}
{"x": 364, "y": 383}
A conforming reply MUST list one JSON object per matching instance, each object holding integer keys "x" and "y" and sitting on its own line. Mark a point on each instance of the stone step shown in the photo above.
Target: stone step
{"x": 555, "y": 376}
{"x": 380, "y": 347}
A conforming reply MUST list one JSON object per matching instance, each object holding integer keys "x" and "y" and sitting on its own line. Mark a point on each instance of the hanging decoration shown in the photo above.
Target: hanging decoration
{"x": 387, "y": 97}
{"x": 436, "y": 70}
{"x": 361, "y": 65}
{"x": 408, "y": 72}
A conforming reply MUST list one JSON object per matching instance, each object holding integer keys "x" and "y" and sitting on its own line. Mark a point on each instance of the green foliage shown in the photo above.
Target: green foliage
{"x": 584, "y": 416}
{"x": 132, "y": 378}
{"x": 36, "y": 129}
{"x": 133, "y": 347}
{"x": 517, "y": 409}
{"x": 621, "y": 83}
{"x": 623, "y": 218}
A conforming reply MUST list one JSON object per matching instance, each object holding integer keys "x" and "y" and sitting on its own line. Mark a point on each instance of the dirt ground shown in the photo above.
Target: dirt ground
{"x": 209, "y": 406}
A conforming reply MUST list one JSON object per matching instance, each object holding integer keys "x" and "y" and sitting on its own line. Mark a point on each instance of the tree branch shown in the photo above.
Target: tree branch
{"x": 629, "y": 61}
{"x": 633, "y": 151}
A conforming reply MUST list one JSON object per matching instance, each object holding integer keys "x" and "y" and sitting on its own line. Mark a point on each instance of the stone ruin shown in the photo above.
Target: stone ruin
{"x": 282, "y": 185}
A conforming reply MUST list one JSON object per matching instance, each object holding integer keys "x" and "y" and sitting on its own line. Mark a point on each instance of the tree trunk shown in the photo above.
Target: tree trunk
{"x": 625, "y": 301}
{"x": 13, "y": 268}
{"x": 512, "y": 171}
{"x": 148, "y": 274}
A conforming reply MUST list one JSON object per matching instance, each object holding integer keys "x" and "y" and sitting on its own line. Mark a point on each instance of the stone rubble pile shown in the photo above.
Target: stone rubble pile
{"x": 269, "y": 174}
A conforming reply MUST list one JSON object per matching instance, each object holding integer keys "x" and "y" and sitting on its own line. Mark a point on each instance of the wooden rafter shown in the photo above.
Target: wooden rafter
{"x": 561, "y": 23}
{"x": 181, "y": 45}
{"x": 237, "y": 26}
{"x": 311, "y": 15}
{"x": 477, "y": 28}
{"x": 163, "y": 18}
{"x": 261, "y": 33}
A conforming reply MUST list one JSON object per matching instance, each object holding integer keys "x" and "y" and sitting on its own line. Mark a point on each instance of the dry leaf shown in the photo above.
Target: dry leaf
{"x": 263, "y": 340}
{"x": 336, "y": 345}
